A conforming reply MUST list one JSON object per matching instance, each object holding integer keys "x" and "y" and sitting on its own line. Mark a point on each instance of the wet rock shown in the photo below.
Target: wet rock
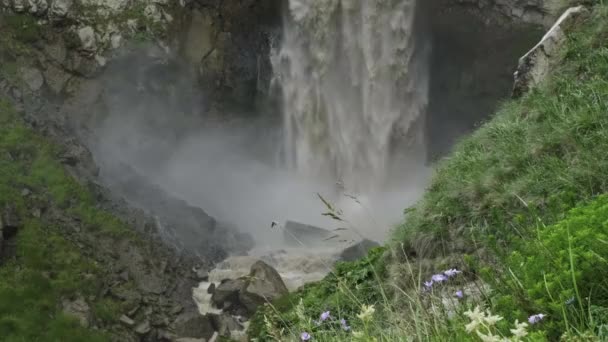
{"x": 358, "y": 250}
{"x": 33, "y": 78}
{"x": 227, "y": 293}
{"x": 264, "y": 285}
{"x": 202, "y": 275}
{"x": 225, "y": 324}
{"x": 304, "y": 235}
{"x": 193, "y": 325}
{"x": 537, "y": 64}
{"x": 78, "y": 309}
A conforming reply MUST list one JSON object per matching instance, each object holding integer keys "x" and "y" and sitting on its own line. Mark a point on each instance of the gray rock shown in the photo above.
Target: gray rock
{"x": 38, "y": 7}
{"x": 193, "y": 325}
{"x": 227, "y": 293}
{"x": 88, "y": 41}
{"x": 143, "y": 328}
{"x": 264, "y": 285}
{"x": 299, "y": 234}
{"x": 60, "y": 8}
{"x": 537, "y": 64}
{"x": 225, "y": 324}
{"x": 19, "y": 6}
{"x": 78, "y": 309}
{"x": 56, "y": 78}
{"x": 32, "y": 78}
{"x": 358, "y": 250}
{"x": 124, "y": 319}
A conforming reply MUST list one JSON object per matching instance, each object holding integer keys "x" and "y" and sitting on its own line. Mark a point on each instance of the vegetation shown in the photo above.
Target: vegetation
{"x": 47, "y": 266}
{"x": 499, "y": 209}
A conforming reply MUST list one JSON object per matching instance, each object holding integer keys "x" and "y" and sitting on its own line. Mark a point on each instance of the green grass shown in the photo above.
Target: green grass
{"x": 48, "y": 266}
{"x": 499, "y": 208}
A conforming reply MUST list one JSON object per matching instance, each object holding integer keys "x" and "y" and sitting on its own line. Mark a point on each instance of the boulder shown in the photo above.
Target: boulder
{"x": 304, "y": 235}
{"x": 264, "y": 285}
{"x": 193, "y": 325}
{"x": 537, "y": 64}
{"x": 358, "y": 250}
{"x": 226, "y": 295}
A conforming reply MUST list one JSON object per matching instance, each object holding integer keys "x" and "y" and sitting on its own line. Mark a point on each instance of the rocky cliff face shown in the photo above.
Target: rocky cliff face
{"x": 507, "y": 12}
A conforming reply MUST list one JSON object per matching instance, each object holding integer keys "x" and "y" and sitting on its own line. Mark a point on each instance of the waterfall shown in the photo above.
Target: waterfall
{"x": 354, "y": 88}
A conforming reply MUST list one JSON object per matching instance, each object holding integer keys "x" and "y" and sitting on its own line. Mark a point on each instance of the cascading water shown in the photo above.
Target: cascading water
{"x": 354, "y": 87}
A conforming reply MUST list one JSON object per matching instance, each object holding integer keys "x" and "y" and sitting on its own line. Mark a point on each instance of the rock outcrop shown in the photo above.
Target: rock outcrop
{"x": 536, "y": 65}
{"x": 244, "y": 295}
{"x": 507, "y": 12}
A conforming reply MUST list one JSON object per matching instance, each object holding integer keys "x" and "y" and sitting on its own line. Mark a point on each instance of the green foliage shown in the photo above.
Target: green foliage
{"x": 343, "y": 292}
{"x": 559, "y": 270}
{"x": 47, "y": 266}
{"x": 22, "y": 27}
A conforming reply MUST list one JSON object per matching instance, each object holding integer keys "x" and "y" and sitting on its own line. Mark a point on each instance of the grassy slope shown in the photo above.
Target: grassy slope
{"x": 539, "y": 156}
{"x": 47, "y": 266}
{"x": 490, "y": 199}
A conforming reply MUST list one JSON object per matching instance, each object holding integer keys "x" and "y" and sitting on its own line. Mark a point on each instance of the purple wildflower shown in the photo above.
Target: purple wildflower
{"x": 452, "y": 272}
{"x": 536, "y": 318}
{"x": 345, "y": 326}
{"x": 439, "y": 278}
{"x": 305, "y": 336}
{"x": 325, "y": 316}
{"x": 459, "y": 294}
{"x": 428, "y": 285}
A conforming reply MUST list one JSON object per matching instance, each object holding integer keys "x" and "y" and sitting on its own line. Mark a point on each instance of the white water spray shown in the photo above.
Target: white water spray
{"x": 354, "y": 86}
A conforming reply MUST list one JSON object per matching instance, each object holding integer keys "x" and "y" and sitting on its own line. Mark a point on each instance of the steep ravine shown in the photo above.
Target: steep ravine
{"x": 131, "y": 91}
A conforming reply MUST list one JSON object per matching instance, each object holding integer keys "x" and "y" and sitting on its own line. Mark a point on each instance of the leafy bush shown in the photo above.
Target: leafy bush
{"x": 560, "y": 270}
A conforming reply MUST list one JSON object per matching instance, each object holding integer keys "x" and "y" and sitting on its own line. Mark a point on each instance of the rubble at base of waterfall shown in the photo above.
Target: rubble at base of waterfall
{"x": 231, "y": 293}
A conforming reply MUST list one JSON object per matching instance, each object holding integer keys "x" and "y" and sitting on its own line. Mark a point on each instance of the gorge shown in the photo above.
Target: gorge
{"x": 205, "y": 124}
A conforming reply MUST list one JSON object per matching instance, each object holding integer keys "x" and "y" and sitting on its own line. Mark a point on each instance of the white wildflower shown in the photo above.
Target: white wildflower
{"x": 520, "y": 330}
{"x": 367, "y": 312}
{"x": 491, "y": 320}
{"x": 476, "y": 316}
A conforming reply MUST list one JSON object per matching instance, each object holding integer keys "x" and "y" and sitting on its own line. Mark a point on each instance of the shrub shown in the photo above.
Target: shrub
{"x": 559, "y": 270}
